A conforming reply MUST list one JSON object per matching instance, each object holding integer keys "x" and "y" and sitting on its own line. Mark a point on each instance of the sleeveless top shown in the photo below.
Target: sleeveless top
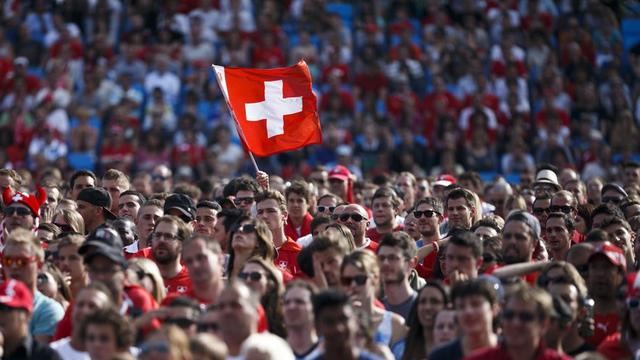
{"x": 385, "y": 329}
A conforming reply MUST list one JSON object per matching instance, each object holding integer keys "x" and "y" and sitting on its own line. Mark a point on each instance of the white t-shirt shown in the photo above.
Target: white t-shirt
{"x": 67, "y": 352}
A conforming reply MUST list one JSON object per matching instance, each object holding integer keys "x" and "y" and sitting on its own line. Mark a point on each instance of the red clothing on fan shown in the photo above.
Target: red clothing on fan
{"x": 612, "y": 349}
{"x": 144, "y": 253}
{"x": 530, "y": 278}
{"x": 287, "y": 258}
{"x": 290, "y": 229}
{"x": 605, "y": 325}
{"x": 180, "y": 284}
{"x": 576, "y": 237}
{"x": 425, "y": 268}
{"x": 371, "y": 245}
{"x": 375, "y": 236}
{"x": 500, "y": 353}
{"x": 136, "y": 302}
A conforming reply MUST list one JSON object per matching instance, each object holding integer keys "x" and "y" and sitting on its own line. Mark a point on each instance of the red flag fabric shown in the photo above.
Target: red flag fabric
{"x": 275, "y": 109}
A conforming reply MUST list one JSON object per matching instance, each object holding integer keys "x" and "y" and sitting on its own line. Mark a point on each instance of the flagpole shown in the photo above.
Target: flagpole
{"x": 235, "y": 120}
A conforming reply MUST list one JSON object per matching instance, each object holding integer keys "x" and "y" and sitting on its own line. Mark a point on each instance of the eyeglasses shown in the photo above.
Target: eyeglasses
{"x": 246, "y": 229}
{"x": 523, "y": 316}
{"x": 253, "y": 276}
{"x": 20, "y": 211}
{"x": 322, "y": 209}
{"x": 166, "y": 236}
{"x": 540, "y": 211}
{"x": 355, "y": 217}
{"x": 633, "y": 304}
{"x": 64, "y": 227}
{"x": 426, "y": 213}
{"x": 18, "y": 261}
{"x": 563, "y": 209}
{"x": 208, "y": 327}
{"x": 246, "y": 200}
{"x": 359, "y": 280}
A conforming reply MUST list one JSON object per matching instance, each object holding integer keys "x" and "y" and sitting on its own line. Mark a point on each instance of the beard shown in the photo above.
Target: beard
{"x": 396, "y": 278}
{"x": 167, "y": 257}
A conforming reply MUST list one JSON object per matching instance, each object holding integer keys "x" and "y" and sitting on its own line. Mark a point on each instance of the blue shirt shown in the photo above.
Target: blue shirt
{"x": 46, "y": 315}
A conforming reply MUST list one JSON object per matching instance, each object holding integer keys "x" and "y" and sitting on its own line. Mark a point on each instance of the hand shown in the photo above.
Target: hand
{"x": 318, "y": 276}
{"x": 263, "y": 179}
{"x": 46, "y": 214}
{"x": 455, "y": 277}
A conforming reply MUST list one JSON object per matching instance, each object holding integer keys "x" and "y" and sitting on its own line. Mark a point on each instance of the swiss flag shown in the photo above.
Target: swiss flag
{"x": 275, "y": 109}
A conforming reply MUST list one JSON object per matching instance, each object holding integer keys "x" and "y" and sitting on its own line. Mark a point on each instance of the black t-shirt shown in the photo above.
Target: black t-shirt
{"x": 583, "y": 348}
{"x": 449, "y": 351}
{"x": 31, "y": 349}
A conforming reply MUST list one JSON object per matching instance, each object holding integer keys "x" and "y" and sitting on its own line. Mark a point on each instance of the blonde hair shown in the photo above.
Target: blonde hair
{"x": 23, "y": 237}
{"x": 71, "y": 240}
{"x": 177, "y": 339}
{"x": 71, "y": 217}
{"x": 150, "y": 268}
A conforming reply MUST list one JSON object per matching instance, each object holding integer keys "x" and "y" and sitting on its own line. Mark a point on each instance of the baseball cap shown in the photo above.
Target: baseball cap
{"x": 340, "y": 172}
{"x": 531, "y": 221}
{"x": 103, "y": 241}
{"x": 15, "y": 294}
{"x": 444, "y": 180}
{"x": 614, "y": 254}
{"x": 615, "y": 187}
{"x": 98, "y": 197}
{"x": 183, "y": 203}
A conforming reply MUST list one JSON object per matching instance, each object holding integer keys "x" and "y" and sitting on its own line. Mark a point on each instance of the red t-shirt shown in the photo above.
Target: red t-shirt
{"x": 144, "y": 253}
{"x": 425, "y": 268}
{"x": 605, "y": 325}
{"x": 372, "y": 245}
{"x": 305, "y": 229}
{"x": 287, "y": 258}
{"x": 375, "y": 236}
{"x": 499, "y": 353}
{"x": 611, "y": 348}
{"x": 180, "y": 284}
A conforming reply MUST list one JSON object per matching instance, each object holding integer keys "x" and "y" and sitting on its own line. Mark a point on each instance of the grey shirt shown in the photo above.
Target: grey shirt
{"x": 402, "y": 309}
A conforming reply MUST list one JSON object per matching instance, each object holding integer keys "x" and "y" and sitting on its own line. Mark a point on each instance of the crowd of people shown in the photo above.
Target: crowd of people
{"x": 476, "y": 194}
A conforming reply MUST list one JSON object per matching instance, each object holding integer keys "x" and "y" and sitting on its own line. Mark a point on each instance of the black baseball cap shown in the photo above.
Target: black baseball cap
{"x": 99, "y": 197}
{"x": 103, "y": 241}
{"x": 183, "y": 203}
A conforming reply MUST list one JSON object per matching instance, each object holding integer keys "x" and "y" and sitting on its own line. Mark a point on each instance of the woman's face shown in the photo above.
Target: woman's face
{"x": 430, "y": 302}
{"x": 244, "y": 239}
{"x": 47, "y": 284}
{"x": 255, "y": 277}
{"x": 445, "y": 328}
{"x": 356, "y": 283}
{"x": 100, "y": 341}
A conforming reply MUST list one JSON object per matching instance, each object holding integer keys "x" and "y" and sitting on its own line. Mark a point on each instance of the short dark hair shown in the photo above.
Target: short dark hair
{"x": 245, "y": 183}
{"x": 329, "y": 298}
{"x": 298, "y": 187}
{"x": 607, "y": 209}
{"x": 231, "y": 216}
{"x": 614, "y": 220}
{"x": 110, "y": 316}
{"x": 472, "y": 177}
{"x": 319, "y": 220}
{"x": 401, "y": 240}
{"x": 435, "y": 203}
{"x": 596, "y": 235}
{"x": 462, "y": 193}
{"x": 467, "y": 239}
{"x": 487, "y": 222}
{"x": 79, "y": 173}
{"x": 213, "y": 205}
{"x": 474, "y": 287}
{"x": 139, "y": 195}
{"x": 389, "y": 192}
{"x": 569, "y": 223}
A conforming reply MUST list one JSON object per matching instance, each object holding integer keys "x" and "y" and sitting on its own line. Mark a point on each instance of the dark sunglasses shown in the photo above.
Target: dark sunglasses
{"x": 246, "y": 200}
{"x": 563, "y": 209}
{"x": 355, "y": 217}
{"x": 633, "y": 304}
{"x": 540, "y": 211}
{"x": 208, "y": 327}
{"x": 180, "y": 322}
{"x": 359, "y": 279}
{"x": 323, "y": 208}
{"x": 20, "y": 211}
{"x": 426, "y": 213}
{"x": 246, "y": 229}
{"x": 612, "y": 199}
{"x": 158, "y": 178}
{"x": 523, "y": 316}
{"x": 64, "y": 227}
{"x": 487, "y": 258}
{"x": 253, "y": 276}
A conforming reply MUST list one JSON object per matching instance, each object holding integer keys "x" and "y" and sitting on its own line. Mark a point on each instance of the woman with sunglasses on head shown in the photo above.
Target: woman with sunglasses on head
{"x": 249, "y": 238}
{"x": 145, "y": 273}
{"x": 264, "y": 279}
{"x": 432, "y": 298}
{"x": 69, "y": 221}
{"x": 360, "y": 278}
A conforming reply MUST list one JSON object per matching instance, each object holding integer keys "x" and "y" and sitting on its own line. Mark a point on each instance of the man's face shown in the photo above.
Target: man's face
{"x": 577, "y": 189}
{"x": 70, "y": 262}
{"x": 568, "y": 293}
{"x": 422, "y": 189}
{"x": 598, "y": 219}
{"x": 357, "y": 228}
{"x": 330, "y": 261}
{"x": 114, "y": 190}
{"x": 126, "y": 230}
{"x": 517, "y": 242}
{"x": 473, "y": 313}
{"x": 541, "y": 211}
{"x": 631, "y": 211}
{"x": 298, "y": 310}
{"x": 160, "y": 180}
{"x": 103, "y": 269}
{"x": 128, "y": 207}
{"x": 165, "y": 245}
{"x": 620, "y": 236}
{"x": 21, "y": 217}
{"x": 297, "y": 205}
{"x": 90, "y": 213}
{"x": 522, "y": 324}
{"x": 394, "y": 267}
{"x": 460, "y": 259}
{"x": 237, "y": 314}
{"x": 460, "y": 213}
{"x": 603, "y": 277}
{"x": 428, "y": 226}
{"x": 327, "y": 205}
{"x": 201, "y": 262}
{"x": 13, "y": 324}
{"x": 147, "y": 217}
{"x": 485, "y": 232}
{"x": 563, "y": 204}
{"x": 82, "y": 182}
{"x": 612, "y": 197}
{"x": 206, "y": 219}
{"x": 269, "y": 211}
{"x": 87, "y": 301}
{"x": 338, "y": 326}
{"x": 100, "y": 339}
{"x": 338, "y": 187}
{"x": 383, "y": 211}
{"x": 24, "y": 264}
{"x": 219, "y": 233}
{"x": 244, "y": 200}
{"x": 53, "y": 194}
{"x": 558, "y": 237}
{"x": 404, "y": 183}
{"x": 631, "y": 176}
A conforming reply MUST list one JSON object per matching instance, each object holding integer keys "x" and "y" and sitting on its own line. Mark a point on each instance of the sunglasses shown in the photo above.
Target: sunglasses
{"x": 18, "y": 261}
{"x": 633, "y": 304}
{"x": 540, "y": 211}
{"x": 154, "y": 346}
{"x": 523, "y": 316}
{"x": 208, "y": 327}
{"x": 246, "y": 200}
{"x": 322, "y": 209}
{"x": 180, "y": 322}
{"x": 563, "y": 209}
{"x": 20, "y": 211}
{"x": 359, "y": 279}
{"x": 612, "y": 199}
{"x": 253, "y": 276}
{"x": 246, "y": 229}
{"x": 426, "y": 213}
{"x": 355, "y": 217}
{"x": 64, "y": 227}
{"x": 158, "y": 178}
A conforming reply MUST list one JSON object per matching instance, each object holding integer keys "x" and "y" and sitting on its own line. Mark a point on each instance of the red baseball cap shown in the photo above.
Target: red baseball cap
{"x": 444, "y": 180}
{"x": 614, "y": 254}
{"x": 15, "y": 294}
{"x": 340, "y": 172}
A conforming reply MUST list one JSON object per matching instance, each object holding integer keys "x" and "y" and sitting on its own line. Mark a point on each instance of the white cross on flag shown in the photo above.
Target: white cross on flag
{"x": 275, "y": 109}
